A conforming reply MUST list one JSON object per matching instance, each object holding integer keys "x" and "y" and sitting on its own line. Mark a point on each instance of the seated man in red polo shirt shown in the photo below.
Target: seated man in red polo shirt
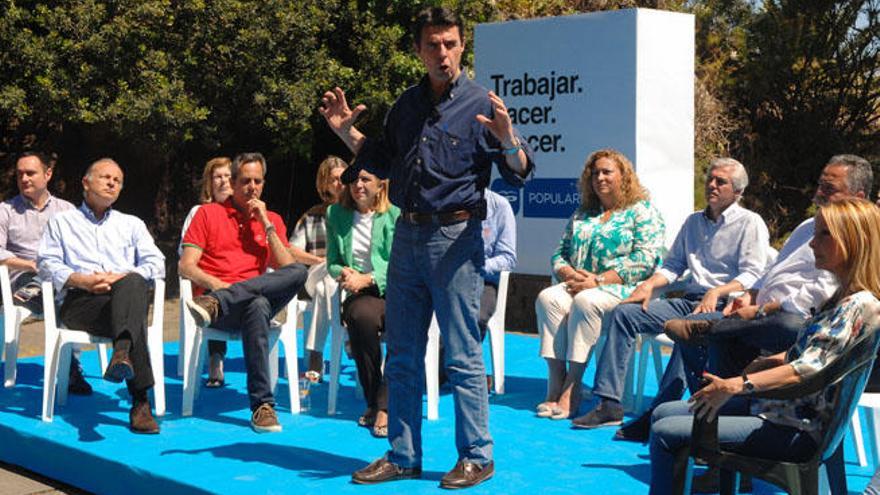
{"x": 226, "y": 252}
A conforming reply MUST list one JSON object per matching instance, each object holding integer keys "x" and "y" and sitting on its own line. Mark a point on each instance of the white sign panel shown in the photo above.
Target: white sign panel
{"x": 622, "y": 79}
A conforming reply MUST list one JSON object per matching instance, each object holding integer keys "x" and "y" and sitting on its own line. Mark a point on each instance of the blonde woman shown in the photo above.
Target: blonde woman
{"x": 611, "y": 243}
{"x": 308, "y": 244}
{"x": 359, "y": 233}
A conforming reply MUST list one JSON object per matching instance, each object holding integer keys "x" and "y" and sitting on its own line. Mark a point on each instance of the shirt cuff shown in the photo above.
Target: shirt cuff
{"x": 746, "y": 279}
{"x": 669, "y": 275}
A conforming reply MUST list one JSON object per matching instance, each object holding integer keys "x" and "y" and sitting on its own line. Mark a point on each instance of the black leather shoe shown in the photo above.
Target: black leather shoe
{"x": 120, "y": 367}
{"x": 382, "y": 470}
{"x": 637, "y": 430}
{"x": 710, "y": 482}
{"x": 467, "y": 474}
{"x": 77, "y": 384}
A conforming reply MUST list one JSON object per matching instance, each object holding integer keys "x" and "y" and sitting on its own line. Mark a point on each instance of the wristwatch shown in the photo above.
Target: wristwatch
{"x": 762, "y": 311}
{"x": 600, "y": 279}
{"x": 748, "y": 386}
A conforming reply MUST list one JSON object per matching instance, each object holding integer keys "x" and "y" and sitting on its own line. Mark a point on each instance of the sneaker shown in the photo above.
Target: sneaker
{"x": 264, "y": 419}
{"x": 607, "y": 413}
{"x": 204, "y": 310}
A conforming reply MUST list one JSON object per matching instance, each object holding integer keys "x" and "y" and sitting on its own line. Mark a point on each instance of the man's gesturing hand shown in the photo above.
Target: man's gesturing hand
{"x": 337, "y": 113}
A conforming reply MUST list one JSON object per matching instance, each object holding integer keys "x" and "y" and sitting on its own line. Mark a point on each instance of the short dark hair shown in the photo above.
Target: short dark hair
{"x": 436, "y": 16}
{"x": 859, "y": 176}
{"x": 243, "y": 158}
{"x": 46, "y": 160}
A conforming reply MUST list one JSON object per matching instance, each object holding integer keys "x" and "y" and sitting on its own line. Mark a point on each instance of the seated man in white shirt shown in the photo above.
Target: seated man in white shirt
{"x": 100, "y": 262}
{"x": 768, "y": 317}
{"x": 725, "y": 249}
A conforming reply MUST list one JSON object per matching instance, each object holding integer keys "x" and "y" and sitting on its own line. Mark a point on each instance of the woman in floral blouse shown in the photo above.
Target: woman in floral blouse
{"x": 847, "y": 244}
{"x": 611, "y": 243}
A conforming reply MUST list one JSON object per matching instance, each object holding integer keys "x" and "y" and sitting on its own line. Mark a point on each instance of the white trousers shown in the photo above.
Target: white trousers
{"x": 570, "y": 326}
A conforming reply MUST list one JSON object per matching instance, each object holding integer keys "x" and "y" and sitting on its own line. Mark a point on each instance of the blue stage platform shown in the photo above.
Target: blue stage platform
{"x": 89, "y": 445}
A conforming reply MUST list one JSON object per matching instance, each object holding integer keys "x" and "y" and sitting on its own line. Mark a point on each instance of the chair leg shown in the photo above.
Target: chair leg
{"x": 336, "y": 343}
{"x": 273, "y": 360}
{"x": 10, "y": 351}
{"x": 50, "y": 374}
{"x": 181, "y": 340}
{"x": 291, "y": 367}
{"x": 102, "y": 358}
{"x": 729, "y": 482}
{"x": 432, "y": 369}
{"x": 191, "y": 377}
{"x": 64, "y": 359}
{"x": 873, "y": 421}
{"x": 835, "y": 470}
{"x": 642, "y": 375}
{"x": 157, "y": 362}
{"x": 855, "y": 427}
{"x": 496, "y": 343}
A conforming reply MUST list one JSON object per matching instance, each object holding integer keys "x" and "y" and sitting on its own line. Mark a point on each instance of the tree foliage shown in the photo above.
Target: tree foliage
{"x": 163, "y": 85}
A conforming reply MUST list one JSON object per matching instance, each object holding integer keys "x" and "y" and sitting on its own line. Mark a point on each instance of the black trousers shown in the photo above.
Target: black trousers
{"x": 364, "y": 317}
{"x": 121, "y": 315}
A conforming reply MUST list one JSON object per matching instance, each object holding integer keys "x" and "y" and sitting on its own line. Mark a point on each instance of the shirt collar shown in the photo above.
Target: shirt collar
{"x": 451, "y": 90}
{"x": 23, "y": 201}
{"x": 726, "y": 215}
{"x": 90, "y": 215}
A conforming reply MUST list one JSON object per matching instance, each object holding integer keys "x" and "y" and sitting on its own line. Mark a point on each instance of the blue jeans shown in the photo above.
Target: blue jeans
{"x": 248, "y": 307}
{"x": 624, "y": 323}
{"x": 738, "y": 431}
{"x": 435, "y": 268}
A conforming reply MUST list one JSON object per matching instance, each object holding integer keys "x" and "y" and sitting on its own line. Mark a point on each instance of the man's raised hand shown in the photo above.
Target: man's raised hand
{"x": 339, "y": 116}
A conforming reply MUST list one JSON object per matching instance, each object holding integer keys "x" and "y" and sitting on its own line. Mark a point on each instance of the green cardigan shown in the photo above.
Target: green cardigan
{"x": 339, "y": 228}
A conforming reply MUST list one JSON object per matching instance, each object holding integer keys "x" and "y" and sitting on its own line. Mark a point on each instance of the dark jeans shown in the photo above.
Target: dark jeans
{"x": 731, "y": 345}
{"x": 248, "y": 307}
{"x": 623, "y": 325}
{"x": 364, "y": 317}
{"x": 120, "y": 315}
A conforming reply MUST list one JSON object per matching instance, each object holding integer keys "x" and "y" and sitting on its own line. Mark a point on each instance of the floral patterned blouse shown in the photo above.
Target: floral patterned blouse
{"x": 819, "y": 343}
{"x": 630, "y": 242}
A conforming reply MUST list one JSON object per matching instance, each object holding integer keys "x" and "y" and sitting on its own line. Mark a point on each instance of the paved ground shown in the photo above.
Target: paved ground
{"x": 15, "y": 480}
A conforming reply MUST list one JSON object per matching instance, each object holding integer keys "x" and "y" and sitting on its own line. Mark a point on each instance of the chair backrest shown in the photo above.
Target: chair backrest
{"x": 843, "y": 382}
{"x": 848, "y": 379}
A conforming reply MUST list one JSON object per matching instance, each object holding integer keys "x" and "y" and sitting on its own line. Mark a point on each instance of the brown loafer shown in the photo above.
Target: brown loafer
{"x": 141, "y": 419}
{"x": 687, "y": 331}
{"x": 467, "y": 474}
{"x": 204, "y": 309}
{"x": 382, "y": 470}
{"x": 120, "y": 367}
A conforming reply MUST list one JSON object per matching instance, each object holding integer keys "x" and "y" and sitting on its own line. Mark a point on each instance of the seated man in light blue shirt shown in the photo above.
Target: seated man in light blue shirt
{"x": 100, "y": 262}
{"x": 499, "y": 246}
{"x": 725, "y": 248}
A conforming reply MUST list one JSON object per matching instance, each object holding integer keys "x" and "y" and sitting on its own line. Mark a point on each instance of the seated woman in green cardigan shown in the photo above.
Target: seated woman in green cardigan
{"x": 359, "y": 233}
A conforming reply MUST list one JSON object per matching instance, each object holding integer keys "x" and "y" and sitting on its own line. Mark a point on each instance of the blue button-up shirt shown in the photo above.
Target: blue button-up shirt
{"x": 75, "y": 241}
{"x": 499, "y": 237}
{"x": 436, "y": 155}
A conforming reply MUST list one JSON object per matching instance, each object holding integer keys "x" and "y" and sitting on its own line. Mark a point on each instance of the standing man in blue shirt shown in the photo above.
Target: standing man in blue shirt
{"x": 440, "y": 139}
{"x": 100, "y": 262}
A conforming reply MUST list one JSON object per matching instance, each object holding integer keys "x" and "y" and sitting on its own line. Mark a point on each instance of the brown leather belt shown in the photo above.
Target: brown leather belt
{"x": 443, "y": 218}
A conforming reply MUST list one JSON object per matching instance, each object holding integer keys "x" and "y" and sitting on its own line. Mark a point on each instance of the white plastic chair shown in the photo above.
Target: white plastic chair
{"x": 59, "y": 346}
{"x": 303, "y": 308}
{"x": 653, "y": 344}
{"x": 337, "y": 343}
{"x": 11, "y": 328}
{"x": 196, "y": 342}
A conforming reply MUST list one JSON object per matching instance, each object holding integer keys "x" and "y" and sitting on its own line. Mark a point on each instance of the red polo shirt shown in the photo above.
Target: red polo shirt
{"x": 234, "y": 248}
